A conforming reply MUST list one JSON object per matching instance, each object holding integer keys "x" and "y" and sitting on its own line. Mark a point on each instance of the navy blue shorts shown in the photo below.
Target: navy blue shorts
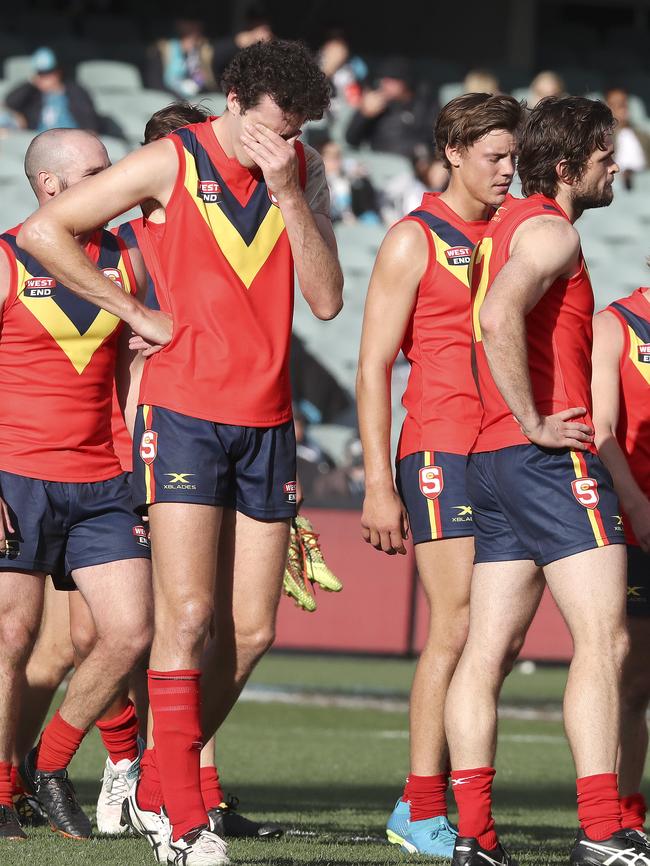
{"x": 62, "y": 526}
{"x": 177, "y": 458}
{"x": 638, "y": 581}
{"x": 432, "y": 487}
{"x": 534, "y": 503}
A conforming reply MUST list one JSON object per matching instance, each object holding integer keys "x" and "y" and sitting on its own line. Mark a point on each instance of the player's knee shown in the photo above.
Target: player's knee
{"x": 17, "y": 639}
{"x": 84, "y": 637}
{"x": 190, "y": 623}
{"x": 254, "y": 643}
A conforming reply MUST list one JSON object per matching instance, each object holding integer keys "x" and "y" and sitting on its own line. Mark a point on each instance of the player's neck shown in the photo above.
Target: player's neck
{"x": 563, "y": 198}
{"x": 222, "y": 128}
{"x": 458, "y": 199}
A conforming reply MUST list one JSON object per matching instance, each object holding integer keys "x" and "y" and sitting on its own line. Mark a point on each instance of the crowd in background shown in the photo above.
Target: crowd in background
{"x": 386, "y": 109}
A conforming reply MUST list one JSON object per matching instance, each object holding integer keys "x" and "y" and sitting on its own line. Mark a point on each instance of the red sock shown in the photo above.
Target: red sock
{"x": 175, "y": 698}
{"x": 473, "y": 793}
{"x": 211, "y": 790}
{"x": 599, "y": 808}
{"x": 58, "y": 744}
{"x": 427, "y": 796}
{"x": 6, "y": 787}
{"x": 149, "y": 793}
{"x": 16, "y": 782}
{"x": 120, "y": 735}
{"x": 633, "y": 811}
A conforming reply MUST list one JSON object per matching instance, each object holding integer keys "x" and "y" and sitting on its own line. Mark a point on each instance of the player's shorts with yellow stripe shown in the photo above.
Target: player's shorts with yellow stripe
{"x": 432, "y": 487}
{"x": 540, "y": 504}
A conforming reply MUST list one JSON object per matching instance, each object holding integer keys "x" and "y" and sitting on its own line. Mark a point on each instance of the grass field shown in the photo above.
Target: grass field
{"x": 331, "y": 774}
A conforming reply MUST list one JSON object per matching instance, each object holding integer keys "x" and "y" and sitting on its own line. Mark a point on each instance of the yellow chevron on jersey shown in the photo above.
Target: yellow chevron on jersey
{"x": 78, "y": 346}
{"x": 246, "y": 260}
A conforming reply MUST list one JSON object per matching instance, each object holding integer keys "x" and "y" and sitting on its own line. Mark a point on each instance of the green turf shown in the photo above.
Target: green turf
{"x": 331, "y": 775}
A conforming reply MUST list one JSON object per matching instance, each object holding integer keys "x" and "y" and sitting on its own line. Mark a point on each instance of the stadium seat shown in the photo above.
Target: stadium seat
{"x": 14, "y": 144}
{"x": 108, "y": 76}
{"x": 383, "y": 167}
{"x": 18, "y": 69}
{"x": 131, "y": 110}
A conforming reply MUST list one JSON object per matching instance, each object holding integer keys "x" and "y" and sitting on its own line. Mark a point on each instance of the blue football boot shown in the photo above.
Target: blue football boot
{"x": 433, "y": 836}
{"x": 397, "y": 825}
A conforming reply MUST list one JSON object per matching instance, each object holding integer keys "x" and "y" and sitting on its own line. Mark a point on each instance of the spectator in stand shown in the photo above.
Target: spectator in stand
{"x": 345, "y": 72}
{"x": 257, "y": 28}
{"x": 404, "y": 192}
{"x": 352, "y": 195}
{"x": 183, "y": 64}
{"x": 546, "y": 83}
{"x": 481, "y": 81}
{"x": 632, "y": 145}
{"x": 50, "y": 100}
{"x": 392, "y": 117}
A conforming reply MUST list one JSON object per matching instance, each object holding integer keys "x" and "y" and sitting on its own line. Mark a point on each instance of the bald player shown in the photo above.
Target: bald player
{"x": 66, "y": 505}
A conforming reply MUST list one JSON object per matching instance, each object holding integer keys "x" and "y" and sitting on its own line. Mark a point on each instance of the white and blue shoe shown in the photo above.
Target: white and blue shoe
{"x": 435, "y": 837}
{"x": 397, "y": 825}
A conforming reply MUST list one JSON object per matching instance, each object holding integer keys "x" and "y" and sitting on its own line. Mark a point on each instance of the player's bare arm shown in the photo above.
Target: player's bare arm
{"x": 5, "y": 283}
{"x": 50, "y": 232}
{"x": 394, "y": 282}
{"x": 311, "y": 236}
{"x": 543, "y": 249}
{"x": 605, "y": 383}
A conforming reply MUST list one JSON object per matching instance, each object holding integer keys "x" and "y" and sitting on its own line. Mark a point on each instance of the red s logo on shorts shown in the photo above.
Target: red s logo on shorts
{"x": 432, "y": 481}
{"x": 149, "y": 446}
{"x": 585, "y": 491}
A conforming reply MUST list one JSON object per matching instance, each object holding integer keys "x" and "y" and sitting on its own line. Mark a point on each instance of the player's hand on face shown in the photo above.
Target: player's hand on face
{"x": 276, "y": 157}
{"x": 384, "y": 521}
{"x": 6, "y": 526}
{"x": 639, "y": 517}
{"x": 561, "y": 430}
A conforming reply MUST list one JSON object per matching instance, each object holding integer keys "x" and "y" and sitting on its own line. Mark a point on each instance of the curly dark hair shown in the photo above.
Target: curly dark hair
{"x": 569, "y": 128}
{"x": 470, "y": 117}
{"x": 284, "y": 70}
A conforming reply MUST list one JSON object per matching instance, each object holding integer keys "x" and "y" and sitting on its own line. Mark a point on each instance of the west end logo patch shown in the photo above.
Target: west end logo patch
{"x": 644, "y": 353}
{"x": 290, "y": 488}
{"x": 585, "y": 491}
{"x": 458, "y": 255}
{"x": 209, "y": 191}
{"x": 432, "y": 481}
{"x": 39, "y": 287}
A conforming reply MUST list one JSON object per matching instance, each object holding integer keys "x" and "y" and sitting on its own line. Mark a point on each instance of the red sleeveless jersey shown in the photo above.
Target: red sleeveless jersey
{"x": 227, "y": 279}
{"x": 633, "y": 432}
{"x": 558, "y": 328}
{"x": 57, "y": 368}
{"x": 441, "y": 401}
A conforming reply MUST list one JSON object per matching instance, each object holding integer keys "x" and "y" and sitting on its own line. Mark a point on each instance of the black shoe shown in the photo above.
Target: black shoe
{"x": 467, "y": 852}
{"x": 624, "y": 846}
{"x": 29, "y": 811}
{"x": 226, "y": 822}
{"x": 9, "y": 824}
{"x": 56, "y": 796}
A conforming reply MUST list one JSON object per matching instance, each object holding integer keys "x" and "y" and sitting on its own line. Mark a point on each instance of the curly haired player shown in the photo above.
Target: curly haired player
{"x": 214, "y": 435}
